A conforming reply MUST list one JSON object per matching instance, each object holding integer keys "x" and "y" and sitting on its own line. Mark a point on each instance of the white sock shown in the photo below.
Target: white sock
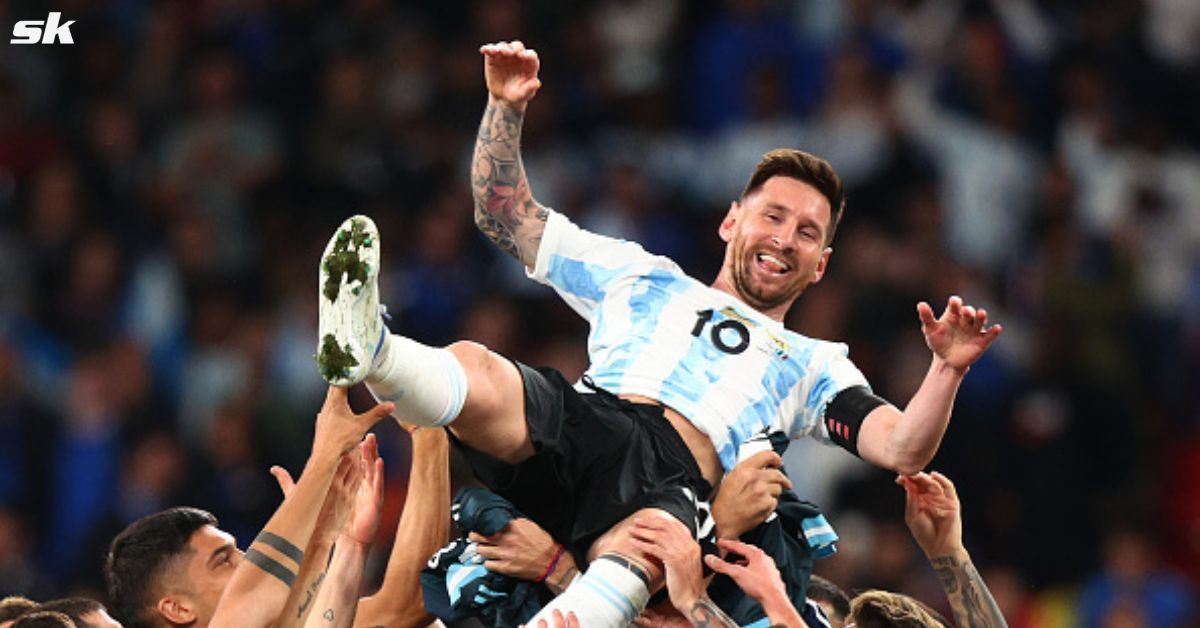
{"x": 608, "y": 595}
{"x": 427, "y": 384}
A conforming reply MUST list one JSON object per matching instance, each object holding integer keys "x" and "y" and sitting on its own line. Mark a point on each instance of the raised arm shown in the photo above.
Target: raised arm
{"x": 504, "y": 207}
{"x": 337, "y": 601}
{"x": 906, "y": 441}
{"x": 259, "y": 587}
{"x": 423, "y": 529}
{"x": 933, "y": 515}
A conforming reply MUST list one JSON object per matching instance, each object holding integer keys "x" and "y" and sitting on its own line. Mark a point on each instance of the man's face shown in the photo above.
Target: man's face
{"x": 207, "y": 569}
{"x": 776, "y": 242}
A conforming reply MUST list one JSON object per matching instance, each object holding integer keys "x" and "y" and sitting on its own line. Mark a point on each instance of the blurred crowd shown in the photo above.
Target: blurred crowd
{"x": 168, "y": 181}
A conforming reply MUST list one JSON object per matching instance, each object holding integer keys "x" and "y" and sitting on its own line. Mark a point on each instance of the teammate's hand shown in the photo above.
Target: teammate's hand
{"x": 662, "y": 616}
{"x": 286, "y": 483}
{"x": 511, "y": 72}
{"x": 749, "y": 494}
{"x": 960, "y": 336}
{"x": 521, "y": 550}
{"x": 339, "y": 500}
{"x": 932, "y": 512}
{"x": 339, "y": 429}
{"x": 558, "y": 621}
{"x": 666, "y": 538}
{"x": 756, "y": 574}
{"x": 368, "y": 498}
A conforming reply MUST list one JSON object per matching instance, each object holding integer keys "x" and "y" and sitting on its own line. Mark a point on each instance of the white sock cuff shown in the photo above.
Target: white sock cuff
{"x": 456, "y": 377}
{"x": 618, "y": 586}
{"x": 427, "y": 384}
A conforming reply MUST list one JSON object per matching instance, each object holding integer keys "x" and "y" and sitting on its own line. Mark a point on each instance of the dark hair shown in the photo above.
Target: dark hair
{"x": 44, "y": 619}
{"x": 14, "y": 606}
{"x": 138, "y": 554}
{"x": 884, "y": 609}
{"x": 806, "y": 167}
{"x": 822, "y": 590}
{"x": 75, "y": 608}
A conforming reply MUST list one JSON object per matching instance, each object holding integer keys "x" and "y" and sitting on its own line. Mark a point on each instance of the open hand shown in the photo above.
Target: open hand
{"x": 339, "y": 429}
{"x": 666, "y": 538}
{"x": 960, "y": 335}
{"x": 932, "y": 512}
{"x": 368, "y": 499}
{"x": 511, "y": 71}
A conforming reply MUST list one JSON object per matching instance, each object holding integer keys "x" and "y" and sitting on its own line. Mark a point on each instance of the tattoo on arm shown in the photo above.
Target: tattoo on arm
{"x": 504, "y": 207}
{"x": 704, "y": 613}
{"x": 973, "y": 604}
{"x": 561, "y": 583}
{"x": 309, "y": 594}
{"x": 271, "y": 566}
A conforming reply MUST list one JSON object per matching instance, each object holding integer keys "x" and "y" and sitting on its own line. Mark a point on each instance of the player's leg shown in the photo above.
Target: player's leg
{"x": 477, "y": 391}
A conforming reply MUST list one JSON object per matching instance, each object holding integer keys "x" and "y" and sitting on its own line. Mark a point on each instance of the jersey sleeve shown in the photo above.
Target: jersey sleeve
{"x": 832, "y": 375}
{"x": 583, "y": 266}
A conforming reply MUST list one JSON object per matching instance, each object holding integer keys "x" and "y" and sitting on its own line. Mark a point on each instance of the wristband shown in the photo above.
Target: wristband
{"x": 553, "y": 563}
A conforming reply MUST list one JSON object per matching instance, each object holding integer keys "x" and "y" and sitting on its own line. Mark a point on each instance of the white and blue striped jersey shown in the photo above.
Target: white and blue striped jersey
{"x": 656, "y": 332}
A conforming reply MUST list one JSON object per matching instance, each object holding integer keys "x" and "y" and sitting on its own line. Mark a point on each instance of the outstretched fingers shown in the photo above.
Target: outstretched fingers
{"x": 925, "y": 313}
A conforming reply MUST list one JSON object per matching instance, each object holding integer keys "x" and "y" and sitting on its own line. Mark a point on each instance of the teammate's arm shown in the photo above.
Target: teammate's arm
{"x": 424, "y": 527}
{"x": 337, "y": 600}
{"x": 260, "y": 585}
{"x": 934, "y": 516}
{"x": 906, "y": 441}
{"x": 504, "y": 207}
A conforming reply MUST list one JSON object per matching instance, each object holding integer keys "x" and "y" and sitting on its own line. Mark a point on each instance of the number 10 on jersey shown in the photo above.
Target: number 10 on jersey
{"x": 718, "y": 332}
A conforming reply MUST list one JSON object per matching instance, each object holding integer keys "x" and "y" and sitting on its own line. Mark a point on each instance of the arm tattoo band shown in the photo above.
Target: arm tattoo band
{"x": 271, "y": 566}
{"x": 281, "y": 544}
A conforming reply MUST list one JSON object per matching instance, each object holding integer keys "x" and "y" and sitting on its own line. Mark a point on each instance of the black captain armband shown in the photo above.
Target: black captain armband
{"x": 844, "y": 415}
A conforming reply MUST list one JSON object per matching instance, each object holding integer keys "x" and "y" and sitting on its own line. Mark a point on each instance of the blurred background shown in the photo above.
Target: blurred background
{"x": 168, "y": 181}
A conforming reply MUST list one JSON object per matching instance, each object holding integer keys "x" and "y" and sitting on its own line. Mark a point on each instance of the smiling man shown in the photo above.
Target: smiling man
{"x": 683, "y": 374}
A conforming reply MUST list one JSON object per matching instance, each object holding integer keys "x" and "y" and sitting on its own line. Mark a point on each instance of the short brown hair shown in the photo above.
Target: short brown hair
{"x": 44, "y": 619}
{"x": 806, "y": 167}
{"x": 14, "y": 606}
{"x": 75, "y": 608}
{"x": 883, "y": 609}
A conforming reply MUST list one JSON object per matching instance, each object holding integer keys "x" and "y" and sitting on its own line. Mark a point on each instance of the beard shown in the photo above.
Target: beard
{"x": 761, "y": 296}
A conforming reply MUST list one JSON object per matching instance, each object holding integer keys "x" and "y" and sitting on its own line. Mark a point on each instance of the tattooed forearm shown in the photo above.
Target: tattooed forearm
{"x": 504, "y": 207}
{"x": 560, "y": 583}
{"x": 704, "y": 613}
{"x": 309, "y": 594}
{"x": 973, "y": 604}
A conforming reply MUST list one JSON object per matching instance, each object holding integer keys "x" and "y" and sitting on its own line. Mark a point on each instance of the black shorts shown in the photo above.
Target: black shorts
{"x": 598, "y": 459}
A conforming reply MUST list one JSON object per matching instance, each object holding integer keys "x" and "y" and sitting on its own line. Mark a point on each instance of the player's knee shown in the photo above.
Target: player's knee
{"x": 472, "y": 355}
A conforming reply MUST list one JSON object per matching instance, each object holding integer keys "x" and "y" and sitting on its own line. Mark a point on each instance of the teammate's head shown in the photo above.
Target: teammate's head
{"x": 84, "y": 612}
{"x": 778, "y": 234}
{"x": 831, "y": 598}
{"x": 13, "y": 607}
{"x": 169, "y": 569}
{"x": 884, "y": 609}
{"x": 43, "y": 619}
